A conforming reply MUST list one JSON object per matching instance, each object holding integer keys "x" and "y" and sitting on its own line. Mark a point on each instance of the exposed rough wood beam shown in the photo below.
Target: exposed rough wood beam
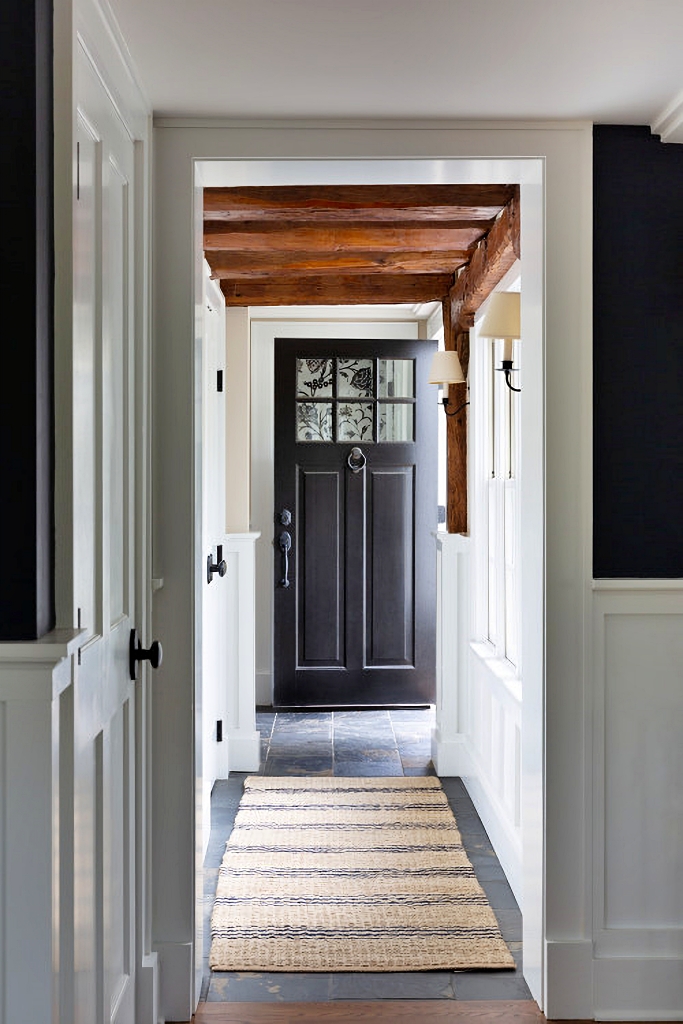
{"x": 332, "y": 291}
{"x": 260, "y": 265}
{"x": 491, "y": 260}
{"x": 456, "y": 439}
{"x": 256, "y": 237}
{"x": 358, "y": 202}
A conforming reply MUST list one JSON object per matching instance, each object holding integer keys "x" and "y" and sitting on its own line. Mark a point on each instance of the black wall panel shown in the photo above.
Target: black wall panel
{"x": 638, "y": 354}
{"x": 26, "y": 289}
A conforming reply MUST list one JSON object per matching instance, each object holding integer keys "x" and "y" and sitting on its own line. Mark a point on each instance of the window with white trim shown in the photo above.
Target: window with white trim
{"x": 495, "y": 495}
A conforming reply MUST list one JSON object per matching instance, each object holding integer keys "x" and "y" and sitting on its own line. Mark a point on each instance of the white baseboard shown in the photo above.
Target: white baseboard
{"x": 495, "y": 820}
{"x": 638, "y": 989}
{"x": 244, "y": 750}
{"x": 449, "y": 756}
{"x": 569, "y": 972}
{"x": 264, "y": 689}
{"x": 147, "y": 990}
{"x": 176, "y": 971}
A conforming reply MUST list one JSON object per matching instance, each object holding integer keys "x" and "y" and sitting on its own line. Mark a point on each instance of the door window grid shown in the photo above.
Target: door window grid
{"x": 349, "y": 399}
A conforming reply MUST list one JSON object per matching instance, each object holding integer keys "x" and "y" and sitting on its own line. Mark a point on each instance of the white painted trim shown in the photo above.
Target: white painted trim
{"x": 452, "y": 634}
{"x": 637, "y": 586}
{"x": 176, "y": 966}
{"x": 638, "y": 988}
{"x": 505, "y": 840}
{"x": 617, "y": 934}
{"x": 554, "y": 164}
{"x": 569, "y": 965}
{"x": 244, "y": 743}
{"x": 669, "y": 124}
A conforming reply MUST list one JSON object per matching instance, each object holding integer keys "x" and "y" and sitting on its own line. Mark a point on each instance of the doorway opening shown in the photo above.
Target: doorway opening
{"x": 448, "y": 732}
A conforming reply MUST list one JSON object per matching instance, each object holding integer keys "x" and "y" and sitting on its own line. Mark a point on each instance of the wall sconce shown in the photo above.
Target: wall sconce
{"x": 502, "y": 320}
{"x": 445, "y": 370}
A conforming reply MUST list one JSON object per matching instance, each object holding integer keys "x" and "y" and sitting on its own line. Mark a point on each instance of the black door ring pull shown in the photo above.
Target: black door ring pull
{"x": 211, "y": 567}
{"x": 136, "y": 652}
{"x": 356, "y": 460}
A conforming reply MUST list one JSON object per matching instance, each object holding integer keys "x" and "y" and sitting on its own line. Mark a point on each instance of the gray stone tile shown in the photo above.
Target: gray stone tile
{"x": 301, "y": 722}
{"x": 476, "y": 985}
{"x": 268, "y": 987}
{"x": 500, "y": 895}
{"x": 510, "y": 924}
{"x": 376, "y": 768}
{"x": 393, "y": 985}
{"x": 307, "y": 747}
{"x": 299, "y": 766}
{"x": 357, "y": 752}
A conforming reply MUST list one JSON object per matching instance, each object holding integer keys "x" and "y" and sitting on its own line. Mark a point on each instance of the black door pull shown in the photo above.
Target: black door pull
{"x": 136, "y": 652}
{"x": 285, "y": 543}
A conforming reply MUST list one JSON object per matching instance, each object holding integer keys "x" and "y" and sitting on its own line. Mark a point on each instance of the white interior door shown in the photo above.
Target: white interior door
{"x": 106, "y": 568}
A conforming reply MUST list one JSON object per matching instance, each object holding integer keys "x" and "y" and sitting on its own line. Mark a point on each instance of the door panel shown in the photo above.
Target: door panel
{"x": 391, "y": 594}
{"x": 355, "y": 458}
{"x": 104, "y": 556}
{"x": 321, "y": 588}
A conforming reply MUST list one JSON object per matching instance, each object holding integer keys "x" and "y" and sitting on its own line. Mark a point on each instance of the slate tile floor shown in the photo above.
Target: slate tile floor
{"x": 373, "y": 742}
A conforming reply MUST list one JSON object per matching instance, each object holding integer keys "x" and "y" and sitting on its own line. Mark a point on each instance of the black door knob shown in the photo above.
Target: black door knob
{"x": 153, "y": 654}
{"x": 211, "y": 567}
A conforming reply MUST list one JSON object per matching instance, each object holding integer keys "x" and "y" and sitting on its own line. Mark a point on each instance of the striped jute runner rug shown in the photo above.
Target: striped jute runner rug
{"x": 350, "y": 874}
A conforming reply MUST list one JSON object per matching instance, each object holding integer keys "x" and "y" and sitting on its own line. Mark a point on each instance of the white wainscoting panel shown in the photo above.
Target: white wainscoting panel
{"x": 244, "y": 743}
{"x": 478, "y": 711}
{"x": 37, "y": 937}
{"x": 638, "y": 798}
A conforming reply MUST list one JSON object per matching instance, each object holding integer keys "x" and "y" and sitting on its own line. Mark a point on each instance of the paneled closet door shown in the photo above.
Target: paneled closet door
{"x": 104, "y": 450}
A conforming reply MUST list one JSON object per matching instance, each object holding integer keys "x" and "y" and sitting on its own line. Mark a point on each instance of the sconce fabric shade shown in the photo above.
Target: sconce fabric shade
{"x": 502, "y": 318}
{"x": 446, "y": 369}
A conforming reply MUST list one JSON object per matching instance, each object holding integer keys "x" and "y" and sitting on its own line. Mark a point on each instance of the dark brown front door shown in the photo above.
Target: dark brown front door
{"x": 355, "y": 494}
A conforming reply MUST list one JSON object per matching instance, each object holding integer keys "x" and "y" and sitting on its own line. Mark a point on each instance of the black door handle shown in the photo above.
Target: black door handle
{"x": 220, "y": 567}
{"x": 136, "y": 652}
{"x": 285, "y": 543}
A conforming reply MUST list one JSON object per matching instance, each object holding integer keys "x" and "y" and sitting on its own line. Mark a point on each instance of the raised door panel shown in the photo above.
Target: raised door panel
{"x": 320, "y": 572}
{"x": 390, "y": 625}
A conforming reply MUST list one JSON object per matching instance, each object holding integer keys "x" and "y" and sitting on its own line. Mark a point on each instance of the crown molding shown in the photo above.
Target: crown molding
{"x": 669, "y": 124}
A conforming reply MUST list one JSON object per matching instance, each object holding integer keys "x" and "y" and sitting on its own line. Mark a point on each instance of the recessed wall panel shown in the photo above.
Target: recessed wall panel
{"x": 643, "y": 771}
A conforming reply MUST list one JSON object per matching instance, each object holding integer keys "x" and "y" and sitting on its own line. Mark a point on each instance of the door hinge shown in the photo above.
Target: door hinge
{"x": 219, "y": 380}
{"x": 219, "y": 731}
{"x": 78, "y": 170}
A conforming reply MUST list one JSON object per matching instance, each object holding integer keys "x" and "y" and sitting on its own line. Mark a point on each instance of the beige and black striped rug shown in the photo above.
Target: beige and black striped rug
{"x": 350, "y": 874}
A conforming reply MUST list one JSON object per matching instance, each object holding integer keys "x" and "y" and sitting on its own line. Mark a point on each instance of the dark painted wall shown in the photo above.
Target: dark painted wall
{"x": 638, "y": 354}
{"x": 26, "y": 288}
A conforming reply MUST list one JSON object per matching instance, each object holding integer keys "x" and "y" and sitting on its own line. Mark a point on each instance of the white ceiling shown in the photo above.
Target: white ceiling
{"x": 609, "y": 61}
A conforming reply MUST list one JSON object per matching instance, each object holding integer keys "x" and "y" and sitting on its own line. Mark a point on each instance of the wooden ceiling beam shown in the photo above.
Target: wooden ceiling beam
{"x": 306, "y": 203}
{"x": 490, "y": 261}
{"x": 290, "y": 238}
{"x": 239, "y": 266}
{"x": 336, "y": 291}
